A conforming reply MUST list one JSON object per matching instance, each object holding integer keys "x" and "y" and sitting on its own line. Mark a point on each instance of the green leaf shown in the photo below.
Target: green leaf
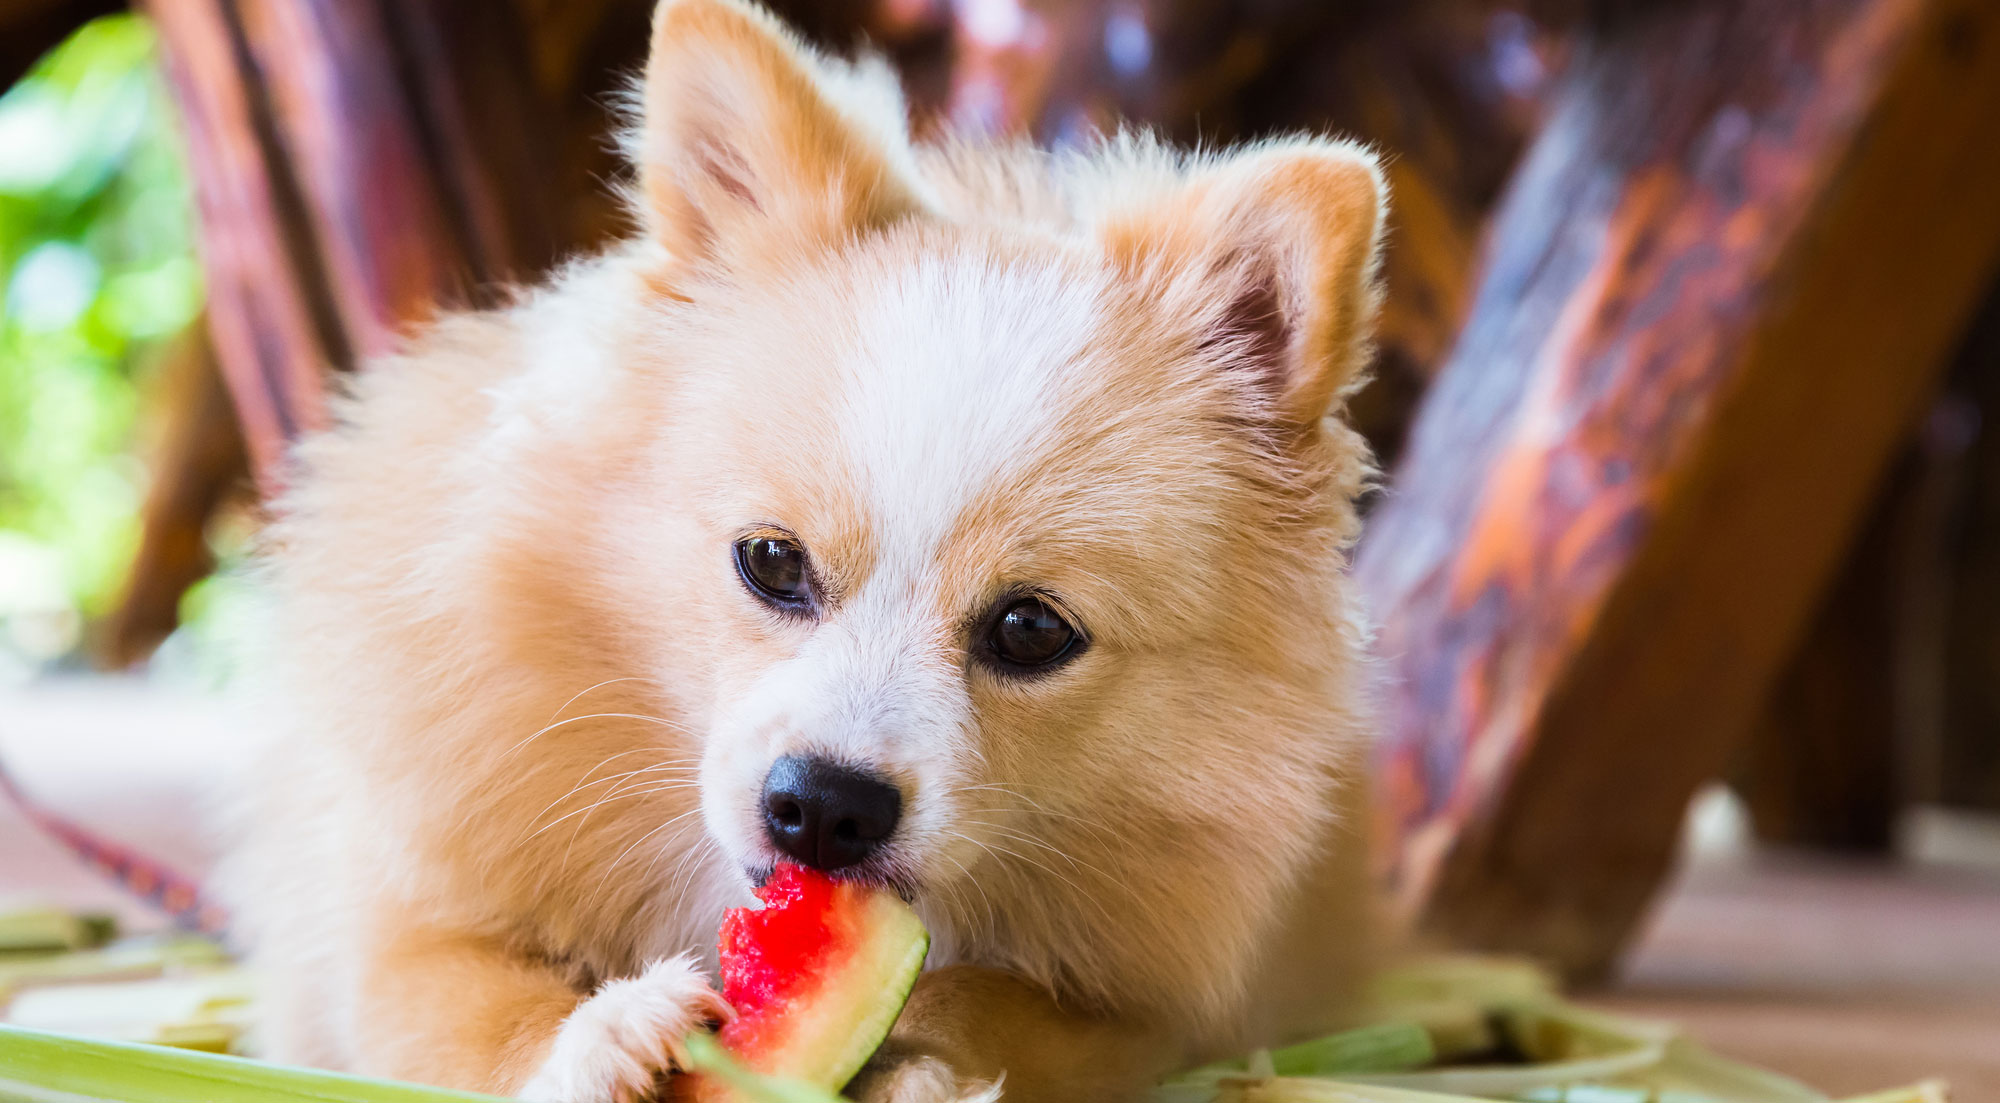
{"x": 1384, "y": 1047}
{"x": 37, "y": 1067}
{"x": 48, "y": 930}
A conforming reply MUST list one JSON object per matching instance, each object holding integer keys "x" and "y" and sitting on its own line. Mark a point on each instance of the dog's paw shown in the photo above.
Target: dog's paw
{"x": 617, "y": 1043}
{"x": 917, "y": 1079}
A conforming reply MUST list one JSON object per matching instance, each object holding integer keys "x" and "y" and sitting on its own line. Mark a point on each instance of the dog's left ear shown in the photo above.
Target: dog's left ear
{"x": 750, "y": 137}
{"x": 1272, "y": 254}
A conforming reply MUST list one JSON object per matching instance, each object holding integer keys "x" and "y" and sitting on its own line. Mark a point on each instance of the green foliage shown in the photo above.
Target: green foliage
{"x": 96, "y": 265}
{"x": 37, "y": 1067}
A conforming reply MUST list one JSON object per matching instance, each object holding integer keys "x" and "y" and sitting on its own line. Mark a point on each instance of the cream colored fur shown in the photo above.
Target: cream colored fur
{"x": 528, "y": 704}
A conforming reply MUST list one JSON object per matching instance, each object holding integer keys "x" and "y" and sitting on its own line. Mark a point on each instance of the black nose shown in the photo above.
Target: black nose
{"x": 825, "y": 815}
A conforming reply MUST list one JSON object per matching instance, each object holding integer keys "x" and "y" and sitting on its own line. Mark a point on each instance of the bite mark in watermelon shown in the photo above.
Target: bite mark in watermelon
{"x": 818, "y": 975}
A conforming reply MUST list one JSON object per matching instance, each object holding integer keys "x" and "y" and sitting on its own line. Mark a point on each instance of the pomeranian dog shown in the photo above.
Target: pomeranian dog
{"x": 968, "y": 519}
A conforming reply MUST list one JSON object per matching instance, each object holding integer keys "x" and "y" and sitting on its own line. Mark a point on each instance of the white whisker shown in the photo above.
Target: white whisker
{"x": 612, "y": 867}
{"x": 546, "y": 729}
{"x": 671, "y": 766}
{"x": 593, "y": 689}
{"x": 658, "y": 787}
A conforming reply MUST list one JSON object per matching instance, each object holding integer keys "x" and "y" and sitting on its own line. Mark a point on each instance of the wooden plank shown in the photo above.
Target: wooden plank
{"x": 360, "y": 163}
{"x": 270, "y": 316}
{"x": 1715, "y": 300}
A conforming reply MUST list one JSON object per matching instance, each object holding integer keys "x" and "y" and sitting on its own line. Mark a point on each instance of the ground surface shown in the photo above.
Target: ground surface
{"x": 1852, "y": 977}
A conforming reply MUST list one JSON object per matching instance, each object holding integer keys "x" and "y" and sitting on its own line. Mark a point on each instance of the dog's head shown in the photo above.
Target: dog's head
{"x": 1009, "y": 568}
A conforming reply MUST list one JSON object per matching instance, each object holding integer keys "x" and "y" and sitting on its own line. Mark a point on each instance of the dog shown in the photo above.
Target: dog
{"x": 965, "y": 518}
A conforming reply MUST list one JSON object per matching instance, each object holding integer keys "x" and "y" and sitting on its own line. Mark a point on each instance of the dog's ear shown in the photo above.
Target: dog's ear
{"x": 1271, "y": 253}
{"x": 750, "y": 137}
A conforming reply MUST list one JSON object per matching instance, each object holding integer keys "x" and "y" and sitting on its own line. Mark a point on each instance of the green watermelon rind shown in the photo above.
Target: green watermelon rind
{"x": 837, "y": 1029}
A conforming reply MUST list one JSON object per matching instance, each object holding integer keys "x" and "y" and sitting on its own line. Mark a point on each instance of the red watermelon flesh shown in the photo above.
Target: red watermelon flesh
{"x": 817, "y": 975}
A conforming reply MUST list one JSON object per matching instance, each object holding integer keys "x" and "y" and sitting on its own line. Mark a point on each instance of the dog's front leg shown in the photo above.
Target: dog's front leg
{"x": 967, "y": 1028}
{"x": 465, "y": 1012}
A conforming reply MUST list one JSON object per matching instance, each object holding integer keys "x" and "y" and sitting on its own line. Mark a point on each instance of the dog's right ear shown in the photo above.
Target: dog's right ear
{"x": 752, "y": 140}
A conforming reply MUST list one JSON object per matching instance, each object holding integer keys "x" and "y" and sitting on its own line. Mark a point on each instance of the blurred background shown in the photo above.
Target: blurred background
{"x": 1687, "y": 398}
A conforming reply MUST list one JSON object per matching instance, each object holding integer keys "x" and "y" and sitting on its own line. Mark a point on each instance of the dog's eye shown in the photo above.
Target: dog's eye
{"x": 1029, "y": 634}
{"x": 775, "y": 569}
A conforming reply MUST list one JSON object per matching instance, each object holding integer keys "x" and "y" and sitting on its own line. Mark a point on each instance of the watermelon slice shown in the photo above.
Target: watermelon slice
{"x": 817, "y": 976}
